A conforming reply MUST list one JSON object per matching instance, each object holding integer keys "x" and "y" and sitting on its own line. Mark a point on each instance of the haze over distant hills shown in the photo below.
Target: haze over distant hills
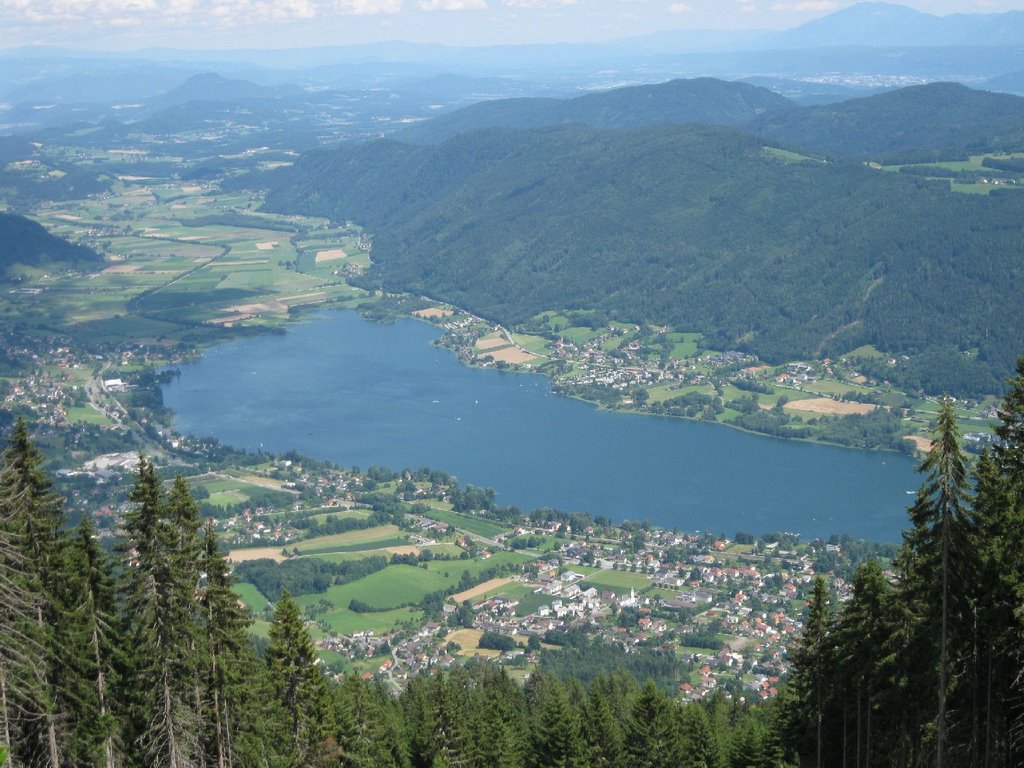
{"x": 864, "y": 47}
{"x": 887, "y": 25}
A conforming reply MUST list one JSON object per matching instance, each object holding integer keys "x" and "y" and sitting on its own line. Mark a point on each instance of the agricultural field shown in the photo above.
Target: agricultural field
{"x": 452, "y": 570}
{"x": 393, "y": 587}
{"x": 179, "y": 255}
{"x": 486, "y": 528}
{"x": 978, "y": 175}
{"x": 352, "y": 541}
{"x": 344, "y": 622}
{"x": 252, "y": 597}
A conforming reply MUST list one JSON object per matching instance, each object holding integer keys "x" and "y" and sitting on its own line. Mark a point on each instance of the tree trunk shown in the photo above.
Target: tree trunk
{"x": 51, "y": 728}
{"x": 172, "y": 740}
{"x": 101, "y": 697}
{"x": 940, "y": 729}
{"x": 9, "y": 762}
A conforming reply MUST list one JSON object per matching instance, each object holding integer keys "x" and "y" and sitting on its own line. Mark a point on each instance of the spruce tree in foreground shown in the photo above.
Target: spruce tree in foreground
{"x": 933, "y": 565}
{"x": 295, "y": 677}
{"x": 160, "y": 586}
{"x": 32, "y": 516}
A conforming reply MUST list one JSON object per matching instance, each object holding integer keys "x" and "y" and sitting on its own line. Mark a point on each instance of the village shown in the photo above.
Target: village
{"x": 748, "y": 604}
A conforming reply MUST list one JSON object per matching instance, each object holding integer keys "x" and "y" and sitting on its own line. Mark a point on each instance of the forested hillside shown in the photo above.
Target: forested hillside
{"x": 924, "y": 122}
{"x": 701, "y": 100}
{"x": 141, "y": 656}
{"x": 701, "y": 228}
{"x": 24, "y": 242}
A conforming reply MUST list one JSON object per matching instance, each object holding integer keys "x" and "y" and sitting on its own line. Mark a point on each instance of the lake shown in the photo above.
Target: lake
{"x": 358, "y": 393}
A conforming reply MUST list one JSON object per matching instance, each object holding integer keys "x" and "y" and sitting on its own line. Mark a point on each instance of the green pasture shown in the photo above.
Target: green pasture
{"x": 538, "y": 345}
{"x": 531, "y": 601}
{"x": 252, "y": 597}
{"x": 390, "y": 588}
{"x": 340, "y": 513}
{"x": 445, "y": 548}
{"x": 789, "y": 157}
{"x": 867, "y": 350}
{"x": 366, "y": 538}
{"x": 829, "y": 387}
{"x": 684, "y": 345}
{"x": 579, "y": 335}
{"x": 345, "y": 622}
{"x": 117, "y": 329}
{"x": 481, "y": 527}
{"x": 613, "y": 343}
{"x": 451, "y": 570}
{"x": 512, "y": 591}
{"x": 617, "y": 581}
{"x": 86, "y": 414}
{"x": 348, "y": 556}
{"x": 973, "y": 189}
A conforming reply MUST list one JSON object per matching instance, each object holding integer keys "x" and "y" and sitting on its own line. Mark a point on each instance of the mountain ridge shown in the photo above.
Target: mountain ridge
{"x": 697, "y": 227}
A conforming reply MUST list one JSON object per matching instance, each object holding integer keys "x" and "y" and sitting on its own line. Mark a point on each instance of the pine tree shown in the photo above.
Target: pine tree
{"x": 224, "y": 623}
{"x": 698, "y": 740}
{"x": 91, "y": 631}
{"x": 160, "y": 586}
{"x": 555, "y": 727}
{"x": 22, "y": 655}
{"x": 933, "y": 551}
{"x": 297, "y": 682}
{"x": 863, "y": 636}
{"x": 653, "y": 739}
{"x": 365, "y": 733}
{"x": 809, "y": 684}
{"x": 35, "y": 516}
{"x": 602, "y": 730}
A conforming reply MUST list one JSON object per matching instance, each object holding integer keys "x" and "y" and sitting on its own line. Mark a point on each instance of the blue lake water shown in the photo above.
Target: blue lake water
{"x": 359, "y": 393}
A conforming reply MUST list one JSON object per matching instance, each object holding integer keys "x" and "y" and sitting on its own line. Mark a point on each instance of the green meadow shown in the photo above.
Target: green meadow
{"x": 481, "y": 527}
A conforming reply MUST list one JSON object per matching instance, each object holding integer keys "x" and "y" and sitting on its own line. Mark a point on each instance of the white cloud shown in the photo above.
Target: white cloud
{"x": 807, "y": 5}
{"x": 120, "y": 14}
{"x": 369, "y": 7}
{"x": 539, "y": 3}
{"x": 452, "y": 5}
{"x": 679, "y": 8}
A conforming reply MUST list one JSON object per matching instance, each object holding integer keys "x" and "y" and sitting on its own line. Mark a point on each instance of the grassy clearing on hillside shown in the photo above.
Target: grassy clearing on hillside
{"x": 252, "y": 597}
{"x": 481, "y": 527}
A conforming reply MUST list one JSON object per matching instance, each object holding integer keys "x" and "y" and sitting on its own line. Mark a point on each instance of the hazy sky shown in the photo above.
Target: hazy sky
{"x": 128, "y": 24}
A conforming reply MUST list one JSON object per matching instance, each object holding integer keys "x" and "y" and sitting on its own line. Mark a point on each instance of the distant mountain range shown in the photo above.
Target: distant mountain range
{"x": 209, "y": 86}
{"x": 922, "y": 122}
{"x": 886, "y": 25}
{"x": 865, "y": 46}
